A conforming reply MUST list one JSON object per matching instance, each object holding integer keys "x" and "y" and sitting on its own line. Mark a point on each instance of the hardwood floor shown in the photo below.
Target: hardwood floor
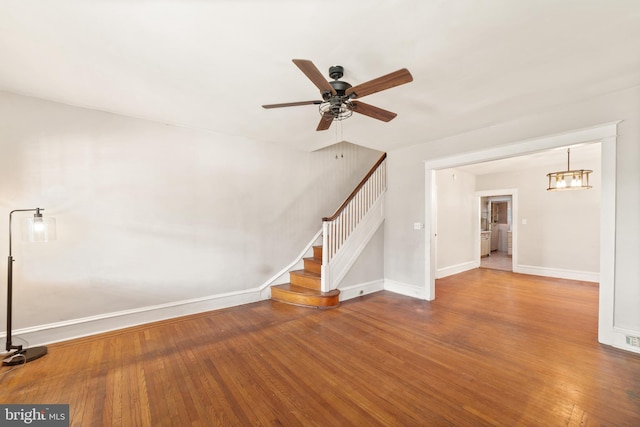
{"x": 494, "y": 348}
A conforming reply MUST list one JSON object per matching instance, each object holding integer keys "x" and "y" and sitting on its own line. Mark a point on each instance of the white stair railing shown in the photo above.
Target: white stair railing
{"x": 340, "y": 226}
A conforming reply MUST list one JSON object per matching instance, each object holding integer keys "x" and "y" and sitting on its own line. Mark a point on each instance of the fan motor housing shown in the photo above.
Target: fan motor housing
{"x": 340, "y": 86}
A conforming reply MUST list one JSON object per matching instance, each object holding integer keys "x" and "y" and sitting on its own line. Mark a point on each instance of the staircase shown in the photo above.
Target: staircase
{"x": 345, "y": 234}
{"x": 304, "y": 286}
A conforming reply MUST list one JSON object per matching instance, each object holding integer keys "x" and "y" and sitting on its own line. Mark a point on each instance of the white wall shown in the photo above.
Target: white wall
{"x": 562, "y": 230}
{"x": 457, "y": 217}
{"x": 369, "y": 267}
{"x": 150, "y": 214}
{"x": 406, "y": 250}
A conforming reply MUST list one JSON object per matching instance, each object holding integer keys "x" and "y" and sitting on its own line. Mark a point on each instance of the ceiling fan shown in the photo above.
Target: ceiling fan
{"x": 339, "y": 98}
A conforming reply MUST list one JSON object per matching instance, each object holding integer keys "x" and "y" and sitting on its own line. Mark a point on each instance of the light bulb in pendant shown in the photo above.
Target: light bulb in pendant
{"x": 561, "y": 183}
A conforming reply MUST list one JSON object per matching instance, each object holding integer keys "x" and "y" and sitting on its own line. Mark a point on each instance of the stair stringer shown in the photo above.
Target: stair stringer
{"x": 339, "y": 265}
{"x": 283, "y": 275}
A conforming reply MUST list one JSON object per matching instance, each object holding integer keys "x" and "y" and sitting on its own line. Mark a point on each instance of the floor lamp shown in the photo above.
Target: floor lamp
{"x": 36, "y": 229}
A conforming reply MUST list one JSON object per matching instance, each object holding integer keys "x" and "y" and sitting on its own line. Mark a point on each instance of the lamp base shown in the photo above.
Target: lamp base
{"x": 25, "y": 356}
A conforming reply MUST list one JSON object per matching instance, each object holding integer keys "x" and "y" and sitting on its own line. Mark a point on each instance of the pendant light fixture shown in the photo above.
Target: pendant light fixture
{"x": 577, "y": 179}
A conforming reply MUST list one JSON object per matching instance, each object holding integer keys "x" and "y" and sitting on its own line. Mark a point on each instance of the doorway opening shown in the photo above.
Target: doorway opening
{"x": 606, "y": 134}
{"x": 496, "y": 232}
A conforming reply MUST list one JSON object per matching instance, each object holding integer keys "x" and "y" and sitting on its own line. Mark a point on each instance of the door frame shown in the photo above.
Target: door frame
{"x": 513, "y": 193}
{"x": 606, "y": 134}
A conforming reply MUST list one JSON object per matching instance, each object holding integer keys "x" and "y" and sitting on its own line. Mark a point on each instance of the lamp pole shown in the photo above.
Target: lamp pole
{"x": 20, "y": 355}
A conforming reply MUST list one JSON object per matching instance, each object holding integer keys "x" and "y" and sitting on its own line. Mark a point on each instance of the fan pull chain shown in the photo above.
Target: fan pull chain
{"x": 339, "y": 124}
{"x": 340, "y": 137}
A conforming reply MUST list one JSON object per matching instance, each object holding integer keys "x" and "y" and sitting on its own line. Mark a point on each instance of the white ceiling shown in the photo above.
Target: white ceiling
{"x": 212, "y": 64}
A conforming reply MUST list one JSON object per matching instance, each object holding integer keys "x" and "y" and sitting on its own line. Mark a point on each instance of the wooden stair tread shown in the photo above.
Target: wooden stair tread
{"x": 306, "y": 273}
{"x": 307, "y": 278}
{"x": 290, "y": 287}
{"x": 303, "y": 296}
{"x": 304, "y": 287}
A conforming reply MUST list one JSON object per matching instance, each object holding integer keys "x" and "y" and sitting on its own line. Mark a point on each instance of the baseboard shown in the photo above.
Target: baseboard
{"x": 455, "y": 269}
{"x": 405, "y": 289}
{"x": 361, "y": 289}
{"x": 78, "y": 328}
{"x": 585, "y": 276}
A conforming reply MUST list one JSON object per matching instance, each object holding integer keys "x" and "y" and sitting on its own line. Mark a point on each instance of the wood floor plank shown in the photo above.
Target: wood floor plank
{"x": 494, "y": 348}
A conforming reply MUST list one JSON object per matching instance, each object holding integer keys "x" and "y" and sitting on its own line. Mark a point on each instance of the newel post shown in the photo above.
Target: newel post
{"x": 325, "y": 283}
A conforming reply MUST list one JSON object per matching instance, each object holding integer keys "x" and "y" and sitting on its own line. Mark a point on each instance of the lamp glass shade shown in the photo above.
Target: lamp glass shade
{"x": 38, "y": 229}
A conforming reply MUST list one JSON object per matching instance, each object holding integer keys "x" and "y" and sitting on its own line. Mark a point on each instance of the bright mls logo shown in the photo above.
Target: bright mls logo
{"x": 34, "y": 415}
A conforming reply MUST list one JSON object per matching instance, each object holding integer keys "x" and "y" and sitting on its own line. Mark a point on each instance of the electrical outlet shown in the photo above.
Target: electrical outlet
{"x": 417, "y": 226}
{"x": 634, "y": 341}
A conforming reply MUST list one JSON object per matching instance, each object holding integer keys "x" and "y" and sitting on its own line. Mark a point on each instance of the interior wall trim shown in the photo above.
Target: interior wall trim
{"x": 606, "y": 134}
{"x": 584, "y": 276}
{"x": 455, "y": 269}
{"x": 354, "y": 291}
{"x": 405, "y": 289}
{"x": 86, "y": 326}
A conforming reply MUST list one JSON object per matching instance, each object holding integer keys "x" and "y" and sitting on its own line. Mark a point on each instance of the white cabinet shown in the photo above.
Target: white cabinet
{"x": 485, "y": 243}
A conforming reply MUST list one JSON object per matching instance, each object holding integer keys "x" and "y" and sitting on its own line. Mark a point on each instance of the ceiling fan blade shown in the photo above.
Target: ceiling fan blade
{"x": 325, "y": 121}
{"x": 292, "y": 104}
{"x": 371, "y": 111}
{"x": 312, "y": 72}
{"x": 387, "y": 81}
